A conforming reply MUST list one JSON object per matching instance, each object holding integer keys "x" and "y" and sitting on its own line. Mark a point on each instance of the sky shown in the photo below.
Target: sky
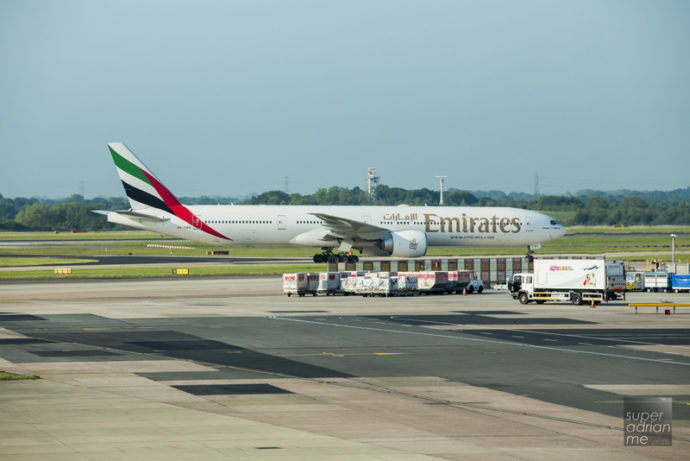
{"x": 229, "y": 98}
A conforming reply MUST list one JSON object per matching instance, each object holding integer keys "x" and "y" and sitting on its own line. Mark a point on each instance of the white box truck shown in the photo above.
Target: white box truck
{"x": 573, "y": 280}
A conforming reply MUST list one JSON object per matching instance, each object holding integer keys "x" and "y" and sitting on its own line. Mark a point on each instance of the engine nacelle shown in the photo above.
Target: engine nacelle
{"x": 405, "y": 244}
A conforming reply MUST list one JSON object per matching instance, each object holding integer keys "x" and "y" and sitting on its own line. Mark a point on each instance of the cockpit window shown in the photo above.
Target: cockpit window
{"x": 553, "y": 222}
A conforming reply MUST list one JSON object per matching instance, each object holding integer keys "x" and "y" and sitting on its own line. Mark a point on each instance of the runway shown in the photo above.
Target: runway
{"x": 443, "y": 376}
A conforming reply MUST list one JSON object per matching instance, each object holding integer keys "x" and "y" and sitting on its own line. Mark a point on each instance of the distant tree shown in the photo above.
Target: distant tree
{"x": 274, "y": 197}
{"x": 7, "y": 209}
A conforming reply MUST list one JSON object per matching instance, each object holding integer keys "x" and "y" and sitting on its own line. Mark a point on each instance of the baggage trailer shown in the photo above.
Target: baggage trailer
{"x": 680, "y": 283}
{"x": 573, "y": 280}
{"x": 657, "y": 281}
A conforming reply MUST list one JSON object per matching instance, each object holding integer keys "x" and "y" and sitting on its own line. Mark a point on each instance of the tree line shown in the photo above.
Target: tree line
{"x": 605, "y": 208}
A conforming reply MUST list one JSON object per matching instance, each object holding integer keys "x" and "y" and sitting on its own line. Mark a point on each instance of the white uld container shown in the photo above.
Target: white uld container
{"x": 329, "y": 282}
{"x": 295, "y": 283}
{"x": 312, "y": 283}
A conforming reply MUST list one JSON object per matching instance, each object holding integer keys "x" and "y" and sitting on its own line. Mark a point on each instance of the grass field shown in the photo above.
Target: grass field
{"x": 12, "y": 377}
{"x": 121, "y": 272}
{"x": 110, "y": 235}
{"x": 19, "y": 262}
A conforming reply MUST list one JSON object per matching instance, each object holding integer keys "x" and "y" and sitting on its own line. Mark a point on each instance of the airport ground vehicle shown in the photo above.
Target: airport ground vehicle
{"x": 680, "y": 283}
{"x": 475, "y": 285}
{"x": 634, "y": 281}
{"x": 574, "y": 280}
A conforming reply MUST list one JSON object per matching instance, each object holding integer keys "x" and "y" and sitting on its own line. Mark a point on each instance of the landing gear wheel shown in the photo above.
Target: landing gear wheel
{"x": 522, "y": 297}
{"x": 576, "y": 299}
{"x": 319, "y": 258}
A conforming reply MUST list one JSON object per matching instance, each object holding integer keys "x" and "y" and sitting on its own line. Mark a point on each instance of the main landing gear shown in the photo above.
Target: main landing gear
{"x": 329, "y": 257}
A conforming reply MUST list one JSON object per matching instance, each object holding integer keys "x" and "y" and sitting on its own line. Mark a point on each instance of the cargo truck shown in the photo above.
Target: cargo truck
{"x": 573, "y": 280}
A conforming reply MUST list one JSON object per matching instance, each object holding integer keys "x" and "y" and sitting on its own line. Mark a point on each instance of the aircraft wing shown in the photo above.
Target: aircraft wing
{"x": 351, "y": 228}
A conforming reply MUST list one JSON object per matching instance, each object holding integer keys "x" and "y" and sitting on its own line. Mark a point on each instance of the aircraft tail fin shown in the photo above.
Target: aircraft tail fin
{"x": 142, "y": 187}
{"x": 145, "y": 191}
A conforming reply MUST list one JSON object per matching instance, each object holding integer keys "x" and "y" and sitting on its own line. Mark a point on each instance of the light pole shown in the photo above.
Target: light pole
{"x": 440, "y": 200}
{"x": 673, "y": 248}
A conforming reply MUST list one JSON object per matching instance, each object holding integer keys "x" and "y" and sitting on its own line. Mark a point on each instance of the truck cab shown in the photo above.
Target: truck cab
{"x": 521, "y": 287}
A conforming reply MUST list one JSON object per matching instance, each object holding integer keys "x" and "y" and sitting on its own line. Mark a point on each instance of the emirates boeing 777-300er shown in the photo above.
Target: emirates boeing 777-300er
{"x": 400, "y": 231}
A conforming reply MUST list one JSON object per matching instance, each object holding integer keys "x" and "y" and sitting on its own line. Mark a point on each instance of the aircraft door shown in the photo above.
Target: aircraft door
{"x": 529, "y": 226}
{"x": 197, "y": 222}
{"x": 366, "y": 219}
{"x": 282, "y": 222}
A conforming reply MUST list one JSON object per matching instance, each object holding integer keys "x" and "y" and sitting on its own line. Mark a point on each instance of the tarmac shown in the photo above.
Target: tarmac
{"x": 231, "y": 369}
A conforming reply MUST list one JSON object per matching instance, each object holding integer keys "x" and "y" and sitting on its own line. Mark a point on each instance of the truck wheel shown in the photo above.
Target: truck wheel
{"x": 522, "y": 297}
{"x": 480, "y": 289}
{"x": 576, "y": 299}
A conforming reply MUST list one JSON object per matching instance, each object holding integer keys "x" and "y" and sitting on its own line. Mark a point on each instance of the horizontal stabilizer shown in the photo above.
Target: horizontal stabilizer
{"x": 130, "y": 214}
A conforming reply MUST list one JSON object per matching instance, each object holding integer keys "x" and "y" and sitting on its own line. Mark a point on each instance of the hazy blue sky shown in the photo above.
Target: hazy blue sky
{"x": 229, "y": 97}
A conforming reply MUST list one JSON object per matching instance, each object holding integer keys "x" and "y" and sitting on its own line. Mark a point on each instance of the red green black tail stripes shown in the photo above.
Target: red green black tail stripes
{"x": 143, "y": 188}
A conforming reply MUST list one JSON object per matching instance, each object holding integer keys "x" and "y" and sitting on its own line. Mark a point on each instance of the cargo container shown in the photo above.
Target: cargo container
{"x": 376, "y": 286}
{"x": 313, "y": 283}
{"x": 407, "y": 284}
{"x": 329, "y": 283}
{"x": 657, "y": 281}
{"x": 295, "y": 284}
{"x": 680, "y": 283}
{"x": 432, "y": 281}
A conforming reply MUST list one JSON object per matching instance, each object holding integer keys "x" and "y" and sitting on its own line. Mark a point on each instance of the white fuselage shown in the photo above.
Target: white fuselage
{"x": 289, "y": 224}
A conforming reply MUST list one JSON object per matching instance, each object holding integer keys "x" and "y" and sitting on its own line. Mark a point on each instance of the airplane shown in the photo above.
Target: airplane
{"x": 399, "y": 231}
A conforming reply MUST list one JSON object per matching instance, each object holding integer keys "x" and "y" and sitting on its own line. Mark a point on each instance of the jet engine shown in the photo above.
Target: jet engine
{"x": 405, "y": 244}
